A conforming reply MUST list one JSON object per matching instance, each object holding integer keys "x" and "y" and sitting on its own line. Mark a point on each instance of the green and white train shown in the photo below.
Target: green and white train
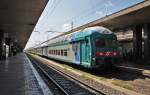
{"x": 92, "y": 47}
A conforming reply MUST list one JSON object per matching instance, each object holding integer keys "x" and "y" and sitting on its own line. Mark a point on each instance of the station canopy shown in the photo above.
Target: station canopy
{"x": 19, "y": 17}
{"x": 135, "y": 15}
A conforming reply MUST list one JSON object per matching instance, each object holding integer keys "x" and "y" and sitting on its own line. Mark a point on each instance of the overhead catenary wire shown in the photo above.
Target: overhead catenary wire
{"x": 51, "y": 6}
{"x": 88, "y": 12}
{"x": 52, "y": 9}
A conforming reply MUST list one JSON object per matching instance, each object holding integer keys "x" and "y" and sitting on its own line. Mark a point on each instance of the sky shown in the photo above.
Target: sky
{"x": 60, "y": 15}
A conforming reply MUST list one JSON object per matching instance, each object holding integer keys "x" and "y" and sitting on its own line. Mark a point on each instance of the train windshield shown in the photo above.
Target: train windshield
{"x": 105, "y": 43}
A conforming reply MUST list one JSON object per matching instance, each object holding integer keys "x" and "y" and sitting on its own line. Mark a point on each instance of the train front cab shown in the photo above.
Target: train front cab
{"x": 105, "y": 51}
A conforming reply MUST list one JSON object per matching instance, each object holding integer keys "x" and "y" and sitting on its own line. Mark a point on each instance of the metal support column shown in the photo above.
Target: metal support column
{"x": 137, "y": 43}
{"x": 147, "y": 42}
{"x": 1, "y": 44}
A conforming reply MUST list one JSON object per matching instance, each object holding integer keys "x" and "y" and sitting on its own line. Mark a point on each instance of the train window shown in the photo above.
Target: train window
{"x": 58, "y": 52}
{"x": 61, "y": 52}
{"x": 111, "y": 43}
{"x": 68, "y": 49}
{"x": 65, "y": 52}
{"x": 87, "y": 41}
{"x": 76, "y": 47}
{"x": 52, "y": 51}
{"x": 100, "y": 43}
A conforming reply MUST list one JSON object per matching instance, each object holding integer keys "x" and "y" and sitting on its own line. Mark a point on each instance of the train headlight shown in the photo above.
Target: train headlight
{"x": 101, "y": 54}
{"x": 114, "y": 53}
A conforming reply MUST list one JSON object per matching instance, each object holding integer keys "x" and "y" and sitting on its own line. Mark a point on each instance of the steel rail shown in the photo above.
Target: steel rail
{"x": 78, "y": 81}
{"x": 50, "y": 78}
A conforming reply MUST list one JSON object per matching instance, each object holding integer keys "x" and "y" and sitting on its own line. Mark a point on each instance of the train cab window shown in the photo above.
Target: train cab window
{"x": 61, "y": 52}
{"x": 65, "y": 52}
{"x": 111, "y": 43}
{"x": 76, "y": 47}
{"x": 99, "y": 43}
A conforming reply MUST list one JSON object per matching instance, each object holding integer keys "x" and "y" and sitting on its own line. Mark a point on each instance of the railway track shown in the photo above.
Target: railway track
{"x": 63, "y": 84}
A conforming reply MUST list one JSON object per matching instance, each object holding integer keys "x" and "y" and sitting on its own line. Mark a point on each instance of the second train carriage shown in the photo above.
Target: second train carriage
{"x": 91, "y": 47}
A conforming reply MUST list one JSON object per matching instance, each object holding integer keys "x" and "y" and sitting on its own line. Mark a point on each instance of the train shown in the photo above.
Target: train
{"x": 91, "y": 47}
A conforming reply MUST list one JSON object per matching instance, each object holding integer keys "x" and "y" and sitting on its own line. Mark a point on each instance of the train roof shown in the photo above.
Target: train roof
{"x": 89, "y": 31}
{"x": 79, "y": 35}
{"x": 98, "y": 29}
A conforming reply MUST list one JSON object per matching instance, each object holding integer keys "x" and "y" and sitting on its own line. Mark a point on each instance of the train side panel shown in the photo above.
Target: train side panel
{"x": 70, "y": 53}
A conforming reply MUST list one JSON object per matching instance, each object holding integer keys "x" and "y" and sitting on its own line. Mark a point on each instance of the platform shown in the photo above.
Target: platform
{"x": 17, "y": 77}
{"x": 141, "y": 68}
{"x": 141, "y": 65}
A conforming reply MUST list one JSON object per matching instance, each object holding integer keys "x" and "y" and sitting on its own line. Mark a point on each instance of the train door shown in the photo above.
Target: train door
{"x": 76, "y": 49}
{"x": 46, "y": 51}
{"x": 42, "y": 53}
{"x": 85, "y": 51}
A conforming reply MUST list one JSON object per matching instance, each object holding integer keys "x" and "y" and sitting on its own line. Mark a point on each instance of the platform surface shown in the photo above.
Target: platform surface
{"x": 17, "y": 78}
